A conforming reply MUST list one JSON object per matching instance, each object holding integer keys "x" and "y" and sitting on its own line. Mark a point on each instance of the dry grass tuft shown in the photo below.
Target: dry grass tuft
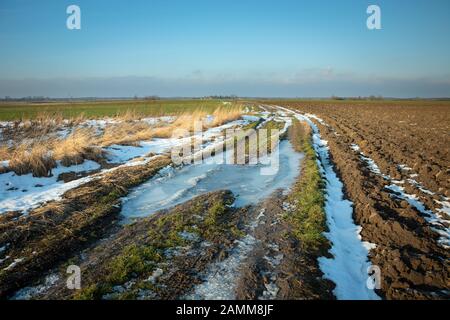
{"x": 40, "y": 126}
{"x": 126, "y": 133}
{"x": 35, "y": 159}
{"x": 77, "y": 147}
{"x": 129, "y": 115}
{"x": 4, "y": 152}
{"x": 223, "y": 115}
{"x": 39, "y": 149}
{"x": 183, "y": 123}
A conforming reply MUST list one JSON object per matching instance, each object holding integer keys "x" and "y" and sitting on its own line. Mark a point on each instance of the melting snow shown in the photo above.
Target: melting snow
{"x": 348, "y": 268}
{"x": 220, "y": 280}
{"x": 434, "y": 219}
{"x": 28, "y": 293}
{"x": 420, "y": 187}
{"x": 404, "y": 167}
{"x": 25, "y": 191}
{"x": 349, "y": 265}
{"x": 13, "y": 264}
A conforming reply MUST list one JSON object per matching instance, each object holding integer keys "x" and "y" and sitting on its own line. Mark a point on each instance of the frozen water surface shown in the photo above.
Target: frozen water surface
{"x": 174, "y": 186}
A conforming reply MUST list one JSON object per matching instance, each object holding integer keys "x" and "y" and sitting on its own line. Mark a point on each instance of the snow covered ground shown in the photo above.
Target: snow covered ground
{"x": 25, "y": 192}
{"x": 348, "y": 268}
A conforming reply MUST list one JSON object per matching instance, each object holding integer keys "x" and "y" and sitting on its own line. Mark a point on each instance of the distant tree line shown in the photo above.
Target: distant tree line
{"x": 233, "y": 97}
{"x": 372, "y": 97}
{"x": 29, "y": 98}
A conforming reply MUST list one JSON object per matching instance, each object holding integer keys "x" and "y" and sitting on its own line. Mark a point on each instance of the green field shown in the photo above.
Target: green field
{"x": 97, "y": 109}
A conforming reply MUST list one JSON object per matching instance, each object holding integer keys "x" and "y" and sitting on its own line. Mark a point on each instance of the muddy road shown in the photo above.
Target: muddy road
{"x": 356, "y": 210}
{"x": 393, "y": 161}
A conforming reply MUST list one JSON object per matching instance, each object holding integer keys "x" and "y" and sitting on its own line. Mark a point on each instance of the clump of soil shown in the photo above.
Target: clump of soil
{"x": 412, "y": 262}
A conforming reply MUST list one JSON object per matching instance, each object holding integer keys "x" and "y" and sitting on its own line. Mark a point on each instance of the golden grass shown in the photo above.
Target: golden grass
{"x": 183, "y": 123}
{"x": 126, "y": 133}
{"x": 223, "y": 115}
{"x": 129, "y": 115}
{"x": 40, "y": 126}
{"x": 77, "y": 147}
{"x": 4, "y": 152}
{"x": 38, "y": 151}
{"x": 35, "y": 159}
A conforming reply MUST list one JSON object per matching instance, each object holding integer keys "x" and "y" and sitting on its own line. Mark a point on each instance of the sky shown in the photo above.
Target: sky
{"x": 264, "y": 48}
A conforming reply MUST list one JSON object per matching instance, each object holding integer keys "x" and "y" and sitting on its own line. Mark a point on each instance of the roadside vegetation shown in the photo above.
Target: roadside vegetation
{"x": 35, "y": 145}
{"x": 54, "y": 230}
{"x": 308, "y": 219}
{"x": 250, "y": 132}
{"x": 144, "y": 251}
{"x": 12, "y": 111}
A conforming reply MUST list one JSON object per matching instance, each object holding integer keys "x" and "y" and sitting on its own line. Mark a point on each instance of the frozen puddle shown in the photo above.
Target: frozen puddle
{"x": 348, "y": 268}
{"x": 176, "y": 185}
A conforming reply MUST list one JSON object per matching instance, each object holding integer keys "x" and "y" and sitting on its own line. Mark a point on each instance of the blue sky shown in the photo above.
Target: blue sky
{"x": 246, "y": 47}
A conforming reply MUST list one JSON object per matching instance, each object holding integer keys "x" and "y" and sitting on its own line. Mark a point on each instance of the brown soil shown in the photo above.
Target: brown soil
{"x": 57, "y": 229}
{"x": 182, "y": 264}
{"x": 413, "y": 264}
{"x": 278, "y": 261}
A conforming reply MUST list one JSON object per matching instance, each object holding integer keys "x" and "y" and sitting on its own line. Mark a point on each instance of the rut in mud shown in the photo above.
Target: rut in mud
{"x": 219, "y": 231}
{"x": 407, "y": 222}
{"x": 167, "y": 247}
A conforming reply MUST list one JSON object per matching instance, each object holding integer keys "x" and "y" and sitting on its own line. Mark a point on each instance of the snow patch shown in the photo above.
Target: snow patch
{"x": 349, "y": 266}
{"x": 13, "y": 264}
{"x": 438, "y": 221}
{"x": 24, "y": 192}
{"x": 28, "y": 293}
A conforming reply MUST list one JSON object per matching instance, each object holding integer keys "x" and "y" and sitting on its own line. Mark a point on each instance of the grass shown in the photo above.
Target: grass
{"x": 37, "y": 148}
{"x": 125, "y": 133}
{"x": 226, "y": 114}
{"x": 133, "y": 260}
{"x": 98, "y": 109}
{"x": 249, "y": 132}
{"x": 185, "y": 122}
{"x": 56, "y": 230}
{"x": 308, "y": 219}
{"x": 36, "y": 160}
{"x": 39, "y": 156}
{"x": 138, "y": 260}
{"x": 77, "y": 147}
